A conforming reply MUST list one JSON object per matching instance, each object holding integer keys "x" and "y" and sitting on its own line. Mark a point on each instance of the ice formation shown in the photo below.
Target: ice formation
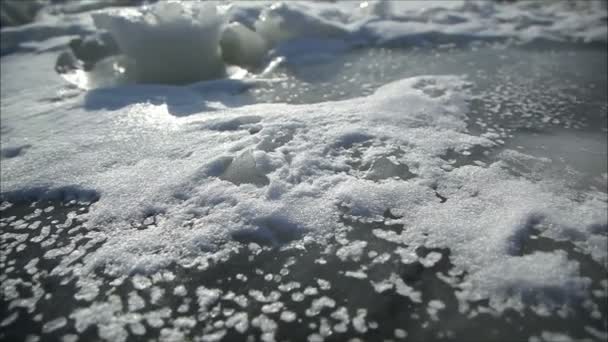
{"x": 168, "y": 45}
{"x": 190, "y": 176}
{"x": 183, "y": 42}
{"x": 295, "y": 185}
{"x": 242, "y": 46}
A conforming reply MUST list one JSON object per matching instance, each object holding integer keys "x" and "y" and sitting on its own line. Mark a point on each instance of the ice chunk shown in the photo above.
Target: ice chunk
{"x": 272, "y": 230}
{"x": 140, "y": 159}
{"x": 242, "y": 46}
{"x": 54, "y": 325}
{"x": 319, "y": 304}
{"x": 243, "y": 169}
{"x": 352, "y": 251}
{"x": 288, "y": 316}
{"x": 239, "y": 321}
{"x": 383, "y": 168}
{"x": 170, "y": 42}
{"x": 283, "y": 21}
{"x": 400, "y": 333}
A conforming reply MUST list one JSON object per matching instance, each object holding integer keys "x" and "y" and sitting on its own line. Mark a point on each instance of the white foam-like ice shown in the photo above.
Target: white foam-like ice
{"x": 183, "y": 42}
{"x": 193, "y": 172}
{"x": 176, "y": 22}
{"x": 520, "y": 281}
{"x": 276, "y": 173}
{"x": 170, "y": 42}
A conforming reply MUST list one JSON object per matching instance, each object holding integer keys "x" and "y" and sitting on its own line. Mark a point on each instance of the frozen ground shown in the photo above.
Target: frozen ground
{"x": 373, "y": 170}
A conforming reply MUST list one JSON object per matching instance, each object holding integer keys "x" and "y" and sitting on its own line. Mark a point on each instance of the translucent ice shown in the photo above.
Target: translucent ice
{"x": 170, "y": 42}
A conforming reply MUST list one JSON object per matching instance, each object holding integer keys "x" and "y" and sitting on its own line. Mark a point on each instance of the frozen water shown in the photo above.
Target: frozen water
{"x": 242, "y": 46}
{"x": 248, "y": 34}
{"x": 166, "y": 44}
{"x": 395, "y": 163}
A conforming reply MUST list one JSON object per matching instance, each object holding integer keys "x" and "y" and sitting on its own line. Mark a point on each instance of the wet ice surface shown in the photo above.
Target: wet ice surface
{"x": 466, "y": 207}
{"x": 310, "y": 289}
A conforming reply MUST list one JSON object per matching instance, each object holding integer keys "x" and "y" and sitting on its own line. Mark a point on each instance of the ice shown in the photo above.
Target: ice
{"x": 206, "y": 297}
{"x": 566, "y": 152}
{"x": 223, "y": 175}
{"x": 383, "y": 168}
{"x": 356, "y": 274}
{"x": 135, "y": 302}
{"x": 202, "y": 170}
{"x": 289, "y": 286}
{"x": 169, "y": 42}
{"x": 9, "y": 319}
{"x": 352, "y": 251}
{"x": 242, "y": 46}
{"x": 324, "y": 284}
{"x": 191, "y": 41}
{"x": 239, "y": 321}
{"x": 266, "y": 325}
{"x": 526, "y": 21}
{"x": 533, "y": 272}
{"x": 272, "y": 308}
{"x": 284, "y": 21}
{"x": 319, "y": 304}
{"x": 359, "y": 321}
{"x": 400, "y": 333}
{"x": 54, "y": 324}
{"x": 434, "y": 307}
{"x": 242, "y": 169}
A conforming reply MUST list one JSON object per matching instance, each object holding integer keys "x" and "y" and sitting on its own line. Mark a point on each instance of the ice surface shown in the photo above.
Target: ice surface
{"x": 243, "y": 169}
{"x": 194, "y": 176}
{"x": 185, "y": 175}
{"x": 551, "y": 272}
